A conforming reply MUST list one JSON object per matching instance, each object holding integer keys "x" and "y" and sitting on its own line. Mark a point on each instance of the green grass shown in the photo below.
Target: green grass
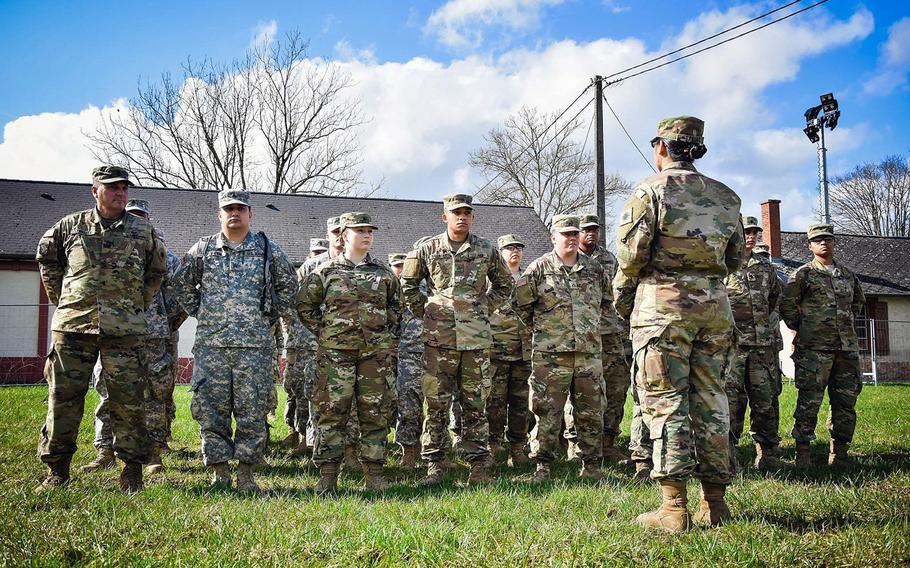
{"x": 856, "y": 518}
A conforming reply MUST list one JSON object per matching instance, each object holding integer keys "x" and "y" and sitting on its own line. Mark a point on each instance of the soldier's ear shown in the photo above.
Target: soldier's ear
{"x": 444, "y": 217}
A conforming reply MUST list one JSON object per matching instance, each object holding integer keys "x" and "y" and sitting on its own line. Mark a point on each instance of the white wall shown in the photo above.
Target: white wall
{"x": 786, "y": 363}
{"x": 19, "y": 291}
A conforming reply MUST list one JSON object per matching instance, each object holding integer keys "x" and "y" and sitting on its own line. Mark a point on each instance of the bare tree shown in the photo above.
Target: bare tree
{"x": 271, "y": 121}
{"x": 873, "y": 199}
{"x": 549, "y": 170}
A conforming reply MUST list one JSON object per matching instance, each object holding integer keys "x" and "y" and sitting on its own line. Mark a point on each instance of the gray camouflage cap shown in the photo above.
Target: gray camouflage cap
{"x": 751, "y": 223}
{"x": 397, "y": 258}
{"x": 233, "y": 197}
{"x": 565, "y": 224}
{"x": 317, "y": 245}
{"x": 332, "y": 223}
{"x": 111, "y": 174}
{"x": 762, "y": 248}
{"x": 138, "y": 205}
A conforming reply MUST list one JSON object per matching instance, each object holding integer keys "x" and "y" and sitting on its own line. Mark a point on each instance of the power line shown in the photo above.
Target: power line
{"x": 712, "y": 46}
{"x": 629, "y": 136}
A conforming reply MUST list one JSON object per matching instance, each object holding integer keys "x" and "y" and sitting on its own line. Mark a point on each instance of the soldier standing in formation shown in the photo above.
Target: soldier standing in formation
{"x": 102, "y": 268}
{"x": 236, "y": 283}
{"x": 754, "y": 291}
{"x": 466, "y": 279}
{"x": 679, "y": 236}
{"x": 352, "y": 306}
{"x": 510, "y": 367}
{"x": 562, "y": 296}
{"x": 820, "y": 303}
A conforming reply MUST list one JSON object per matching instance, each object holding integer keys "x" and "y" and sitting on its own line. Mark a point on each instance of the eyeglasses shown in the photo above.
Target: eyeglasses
{"x": 513, "y": 247}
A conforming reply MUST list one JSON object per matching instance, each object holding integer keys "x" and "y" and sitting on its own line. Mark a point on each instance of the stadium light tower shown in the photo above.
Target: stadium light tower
{"x": 817, "y": 117}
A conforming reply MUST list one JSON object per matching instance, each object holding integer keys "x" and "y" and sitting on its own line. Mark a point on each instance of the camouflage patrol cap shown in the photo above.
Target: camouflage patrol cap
{"x": 588, "y": 220}
{"x": 820, "y": 230}
{"x": 317, "y": 245}
{"x": 354, "y": 219}
{"x": 111, "y": 174}
{"x": 420, "y": 241}
{"x": 682, "y": 128}
{"x": 138, "y": 205}
{"x": 506, "y": 240}
{"x": 564, "y": 224}
{"x": 332, "y": 223}
{"x": 762, "y": 248}
{"x": 455, "y": 201}
{"x": 233, "y": 197}
{"x": 397, "y": 258}
{"x": 751, "y": 223}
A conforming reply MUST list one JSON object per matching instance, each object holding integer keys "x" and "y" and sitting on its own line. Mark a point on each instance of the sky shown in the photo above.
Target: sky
{"x": 434, "y": 77}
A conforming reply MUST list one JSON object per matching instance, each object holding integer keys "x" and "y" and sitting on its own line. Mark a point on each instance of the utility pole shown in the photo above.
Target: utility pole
{"x": 823, "y": 174}
{"x": 599, "y": 189}
{"x": 817, "y": 118}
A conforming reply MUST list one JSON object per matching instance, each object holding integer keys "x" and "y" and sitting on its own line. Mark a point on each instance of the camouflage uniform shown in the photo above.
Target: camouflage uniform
{"x": 679, "y": 235}
{"x": 353, "y": 311}
{"x": 222, "y": 286}
{"x": 564, "y": 306}
{"x": 409, "y": 372}
{"x": 101, "y": 278}
{"x": 821, "y": 306}
{"x": 296, "y": 337}
{"x": 455, "y": 312}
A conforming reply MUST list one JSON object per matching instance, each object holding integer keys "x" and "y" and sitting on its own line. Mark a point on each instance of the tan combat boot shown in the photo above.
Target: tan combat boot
{"x": 611, "y": 453}
{"x": 221, "y": 475}
{"x": 302, "y": 449}
{"x": 838, "y": 456}
{"x": 328, "y": 479}
{"x": 291, "y": 440}
{"x": 375, "y": 477}
{"x": 409, "y": 456}
{"x": 154, "y": 464}
{"x": 712, "y": 510}
{"x": 131, "y": 477}
{"x": 672, "y": 516}
{"x": 435, "y": 471}
{"x": 496, "y": 452}
{"x": 591, "y": 470}
{"x": 447, "y": 464}
{"x": 517, "y": 454}
{"x": 766, "y": 458}
{"x": 245, "y": 480}
{"x": 542, "y": 473}
{"x": 642, "y": 472}
{"x": 803, "y": 455}
{"x": 58, "y": 475}
{"x": 104, "y": 460}
{"x": 351, "y": 461}
{"x": 480, "y": 472}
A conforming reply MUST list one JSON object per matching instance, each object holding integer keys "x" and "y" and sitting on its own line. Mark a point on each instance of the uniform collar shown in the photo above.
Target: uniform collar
{"x": 221, "y": 241}
{"x": 680, "y": 165}
{"x": 466, "y": 245}
{"x": 580, "y": 264}
{"x": 97, "y": 218}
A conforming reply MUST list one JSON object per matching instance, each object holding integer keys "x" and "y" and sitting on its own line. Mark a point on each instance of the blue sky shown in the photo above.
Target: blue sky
{"x": 66, "y": 61}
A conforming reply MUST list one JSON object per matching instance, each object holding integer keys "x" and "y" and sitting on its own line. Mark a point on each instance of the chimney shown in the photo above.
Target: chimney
{"x": 770, "y": 222}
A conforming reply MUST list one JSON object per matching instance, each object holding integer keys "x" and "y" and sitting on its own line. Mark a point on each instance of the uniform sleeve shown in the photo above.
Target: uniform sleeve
{"x": 155, "y": 269}
{"x": 176, "y": 315}
{"x": 637, "y": 224}
{"x": 526, "y": 295}
{"x": 774, "y": 290}
{"x": 859, "y": 298}
{"x": 185, "y": 283}
{"x": 736, "y": 248}
{"x": 286, "y": 285}
{"x": 789, "y": 303}
{"x": 501, "y": 282}
{"x": 393, "y": 309}
{"x": 415, "y": 271}
{"x": 607, "y": 312}
{"x": 51, "y": 262}
{"x": 309, "y": 302}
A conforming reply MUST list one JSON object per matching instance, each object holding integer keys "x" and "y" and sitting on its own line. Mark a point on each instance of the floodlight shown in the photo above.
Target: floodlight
{"x": 829, "y": 103}
{"x": 812, "y": 112}
{"x": 811, "y": 133}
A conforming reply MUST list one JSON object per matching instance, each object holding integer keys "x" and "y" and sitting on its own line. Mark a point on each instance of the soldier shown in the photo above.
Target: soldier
{"x": 510, "y": 366}
{"x": 754, "y": 291}
{"x": 352, "y": 305}
{"x": 764, "y": 252}
{"x": 161, "y": 370}
{"x": 456, "y": 266}
{"x": 317, "y": 247}
{"x": 679, "y": 235}
{"x": 236, "y": 283}
{"x": 410, "y": 368}
{"x": 821, "y": 301}
{"x": 562, "y": 295}
{"x": 101, "y": 267}
{"x": 615, "y": 367}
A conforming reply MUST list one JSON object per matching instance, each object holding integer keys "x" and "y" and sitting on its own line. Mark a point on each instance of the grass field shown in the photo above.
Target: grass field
{"x": 856, "y": 518}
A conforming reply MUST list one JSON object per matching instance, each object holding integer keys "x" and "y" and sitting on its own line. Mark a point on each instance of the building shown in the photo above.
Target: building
{"x": 29, "y": 208}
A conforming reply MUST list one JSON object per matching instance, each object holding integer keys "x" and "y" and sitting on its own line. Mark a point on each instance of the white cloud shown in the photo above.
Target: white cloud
{"x": 461, "y": 23}
{"x": 346, "y": 52}
{"x": 894, "y": 62}
{"x": 264, "y": 34}
{"x": 615, "y": 7}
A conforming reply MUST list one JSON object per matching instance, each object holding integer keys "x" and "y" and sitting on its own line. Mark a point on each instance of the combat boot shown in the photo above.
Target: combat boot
{"x": 542, "y": 473}
{"x": 154, "y": 464}
{"x": 58, "y": 475}
{"x": 517, "y": 454}
{"x": 712, "y": 510}
{"x": 245, "y": 480}
{"x": 221, "y": 475}
{"x": 611, "y": 453}
{"x": 766, "y": 458}
{"x": 573, "y": 453}
{"x": 447, "y": 464}
{"x": 328, "y": 479}
{"x": 291, "y": 440}
{"x": 734, "y": 460}
{"x": 642, "y": 472}
{"x": 375, "y": 478}
{"x": 131, "y": 477}
{"x": 591, "y": 470}
{"x": 435, "y": 472}
{"x": 351, "y": 462}
{"x": 409, "y": 456}
{"x": 302, "y": 449}
{"x": 803, "y": 455}
{"x": 672, "y": 516}
{"x": 480, "y": 472}
{"x": 838, "y": 456}
{"x": 496, "y": 451}
{"x": 104, "y": 460}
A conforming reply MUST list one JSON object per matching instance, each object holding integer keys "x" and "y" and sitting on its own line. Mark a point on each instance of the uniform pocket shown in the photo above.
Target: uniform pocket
{"x": 656, "y": 369}
{"x": 806, "y": 368}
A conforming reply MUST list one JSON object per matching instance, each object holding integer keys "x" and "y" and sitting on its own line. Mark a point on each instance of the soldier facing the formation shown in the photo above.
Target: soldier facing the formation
{"x": 679, "y": 236}
{"x": 102, "y": 268}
